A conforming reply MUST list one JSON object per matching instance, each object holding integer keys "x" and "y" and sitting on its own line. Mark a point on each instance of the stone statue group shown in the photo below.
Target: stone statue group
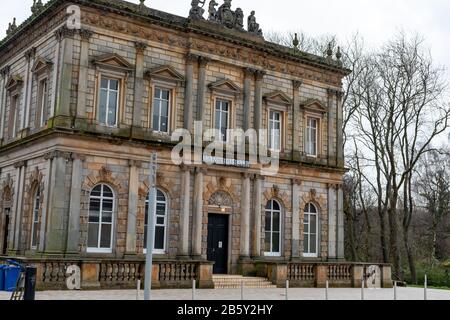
{"x": 225, "y": 16}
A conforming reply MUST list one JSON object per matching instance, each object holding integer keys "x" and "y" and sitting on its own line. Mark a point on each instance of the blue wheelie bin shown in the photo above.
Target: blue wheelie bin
{"x": 2, "y": 277}
{"x": 12, "y": 274}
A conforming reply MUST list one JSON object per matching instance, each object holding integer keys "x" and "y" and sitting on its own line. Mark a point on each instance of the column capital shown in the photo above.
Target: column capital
{"x": 335, "y": 92}
{"x": 191, "y": 58}
{"x": 296, "y": 181}
{"x": 335, "y": 186}
{"x": 297, "y": 83}
{"x": 20, "y": 164}
{"x": 259, "y": 177}
{"x": 201, "y": 170}
{"x": 78, "y": 156}
{"x": 140, "y": 47}
{"x": 247, "y": 175}
{"x": 135, "y": 163}
{"x": 249, "y": 72}
{"x": 259, "y": 74}
{"x": 64, "y": 32}
{"x": 85, "y": 34}
{"x": 4, "y": 72}
{"x": 30, "y": 54}
{"x": 57, "y": 154}
{"x": 203, "y": 61}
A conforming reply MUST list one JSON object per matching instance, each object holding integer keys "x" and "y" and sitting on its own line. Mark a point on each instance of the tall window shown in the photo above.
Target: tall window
{"x": 101, "y": 219}
{"x": 43, "y": 100}
{"x": 222, "y": 117}
{"x": 311, "y": 227}
{"x": 160, "y": 222}
{"x": 109, "y": 102}
{"x": 275, "y": 130}
{"x": 273, "y": 229}
{"x": 312, "y": 127}
{"x": 161, "y": 110}
{"x": 35, "y": 220}
{"x": 13, "y": 116}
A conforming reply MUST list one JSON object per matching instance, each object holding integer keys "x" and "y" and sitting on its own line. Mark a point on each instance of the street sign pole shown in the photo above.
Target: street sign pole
{"x": 150, "y": 227}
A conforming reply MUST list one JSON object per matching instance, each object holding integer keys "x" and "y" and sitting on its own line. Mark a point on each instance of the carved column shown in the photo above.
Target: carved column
{"x": 4, "y": 73}
{"x": 203, "y": 62}
{"x": 191, "y": 60}
{"x": 249, "y": 75}
{"x": 183, "y": 246}
{"x": 28, "y": 80}
{"x": 340, "y": 224}
{"x": 257, "y": 207}
{"x": 331, "y": 135}
{"x": 245, "y": 216}
{"x": 296, "y": 218}
{"x": 340, "y": 130}
{"x": 297, "y": 121}
{"x": 258, "y": 99}
{"x": 133, "y": 201}
{"x": 332, "y": 221}
{"x": 73, "y": 230}
{"x": 198, "y": 212}
{"x": 16, "y": 224}
{"x": 139, "y": 84}
{"x": 62, "y": 108}
{"x": 85, "y": 35}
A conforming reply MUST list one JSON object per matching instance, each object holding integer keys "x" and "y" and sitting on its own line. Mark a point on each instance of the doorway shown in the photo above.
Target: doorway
{"x": 7, "y": 211}
{"x": 218, "y": 242}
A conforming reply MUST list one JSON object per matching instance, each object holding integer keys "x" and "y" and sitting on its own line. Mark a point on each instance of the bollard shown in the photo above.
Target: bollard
{"x": 287, "y": 290}
{"x": 425, "y": 288}
{"x": 138, "y": 289}
{"x": 193, "y": 289}
{"x": 326, "y": 290}
{"x": 395, "y": 290}
{"x": 30, "y": 284}
{"x": 242, "y": 290}
{"x": 362, "y": 289}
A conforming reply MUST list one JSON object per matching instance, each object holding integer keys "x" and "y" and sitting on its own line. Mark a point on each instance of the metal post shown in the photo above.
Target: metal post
{"x": 150, "y": 227}
{"x": 193, "y": 289}
{"x": 326, "y": 290}
{"x": 362, "y": 288}
{"x": 242, "y": 290}
{"x": 425, "y": 288}
{"x": 138, "y": 289}
{"x": 287, "y": 289}
{"x": 395, "y": 290}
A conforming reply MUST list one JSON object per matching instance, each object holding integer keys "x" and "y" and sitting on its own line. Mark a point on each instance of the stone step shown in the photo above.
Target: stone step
{"x": 236, "y": 281}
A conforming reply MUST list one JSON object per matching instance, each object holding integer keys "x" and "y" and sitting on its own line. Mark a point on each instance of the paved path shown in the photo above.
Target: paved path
{"x": 249, "y": 294}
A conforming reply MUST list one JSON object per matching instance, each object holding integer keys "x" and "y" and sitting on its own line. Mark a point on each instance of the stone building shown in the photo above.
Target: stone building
{"x": 89, "y": 89}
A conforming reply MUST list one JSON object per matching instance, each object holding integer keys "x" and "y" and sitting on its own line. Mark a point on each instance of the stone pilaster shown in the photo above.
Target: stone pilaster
{"x": 257, "y": 207}
{"x": 198, "y": 212}
{"x": 65, "y": 36}
{"x": 296, "y": 218}
{"x": 332, "y": 221}
{"x": 16, "y": 224}
{"x": 4, "y": 72}
{"x": 297, "y": 121}
{"x": 191, "y": 60}
{"x": 203, "y": 62}
{"x": 183, "y": 246}
{"x": 245, "y": 216}
{"x": 30, "y": 55}
{"x": 340, "y": 224}
{"x": 85, "y": 35}
{"x": 249, "y": 75}
{"x": 139, "y": 84}
{"x": 73, "y": 232}
{"x": 340, "y": 130}
{"x": 259, "y": 75}
{"x": 57, "y": 213}
{"x": 133, "y": 199}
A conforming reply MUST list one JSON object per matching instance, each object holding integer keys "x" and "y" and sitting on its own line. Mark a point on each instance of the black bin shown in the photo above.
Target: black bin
{"x": 30, "y": 284}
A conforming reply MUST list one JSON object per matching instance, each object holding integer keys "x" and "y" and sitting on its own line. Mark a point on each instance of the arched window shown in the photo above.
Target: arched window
{"x": 160, "y": 222}
{"x": 272, "y": 245}
{"x": 35, "y": 219}
{"x": 101, "y": 219}
{"x": 311, "y": 228}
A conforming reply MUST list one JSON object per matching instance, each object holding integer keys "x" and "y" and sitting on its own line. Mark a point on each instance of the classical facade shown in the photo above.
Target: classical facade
{"x": 89, "y": 89}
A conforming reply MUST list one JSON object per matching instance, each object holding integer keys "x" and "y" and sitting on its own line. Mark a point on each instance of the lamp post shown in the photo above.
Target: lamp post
{"x": 150, "y": 226}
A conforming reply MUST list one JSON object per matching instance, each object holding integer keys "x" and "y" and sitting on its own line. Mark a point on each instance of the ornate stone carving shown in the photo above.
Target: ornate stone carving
{"x": 4, "y": 72}
{"x": 225, "y": 15}
{"x": 252, "y": 25}
{"x": 140, "y": 47}
{"x": 64, "y": 32}
{"x": 20, "y": 164}
{"x": 37, "y": 6}
{"x": 30, "y": 53}
{"x": 85, "y": 34}
{"x": 12, "y": 27}
{"x": 196, "y": 11}
{"x": 105, "y": 174}
{"x": 220, "y": 199}
{"x": 135, "y": 163}
{"x": 297, "y": 84}
{"x": 212, "y": 11}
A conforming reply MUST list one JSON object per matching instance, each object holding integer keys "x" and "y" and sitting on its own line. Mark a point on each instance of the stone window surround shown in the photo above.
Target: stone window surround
{"x": 231, "y": 112}
{"x": 318, "y": 232}
{"x": 173, "y": 103}
{"x": 281, "y": 254}
{"x": 319, "y": 117}
{"x": 284, "y": 110}
{"x": 41, "y": 72}
{"x": 12, "y": 127}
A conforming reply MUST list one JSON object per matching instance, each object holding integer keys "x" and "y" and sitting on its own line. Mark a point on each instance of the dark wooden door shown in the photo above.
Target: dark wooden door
{"x": 5, "y": 232}
{"x": 218, "y": 242}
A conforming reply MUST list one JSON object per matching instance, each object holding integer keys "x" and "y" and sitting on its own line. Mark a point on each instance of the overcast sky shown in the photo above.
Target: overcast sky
{"x": 374, "y": 20}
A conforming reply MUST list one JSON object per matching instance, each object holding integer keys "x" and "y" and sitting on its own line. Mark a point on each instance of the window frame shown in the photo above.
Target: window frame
{"x": 100, "y": 223}
{"x": 170, "y": 115}
{"x": 318, "y": 148}
{"x": 309, "y": 254}
{"x": 282, "y": 129}
{"x": 166, "y": 218}
{"x": 13, "y": 114}
{"x": 35, "y": 219}
{"x": 280, "y": 245}
{"x": 229, "y": 113}
{"x": 42, "y": 102}
{"x": 120, "y": 87}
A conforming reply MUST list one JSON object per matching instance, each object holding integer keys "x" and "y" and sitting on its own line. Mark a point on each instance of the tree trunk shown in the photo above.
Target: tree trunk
{"x": 393, "y": 236}
{"x": 410, "y": 255}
